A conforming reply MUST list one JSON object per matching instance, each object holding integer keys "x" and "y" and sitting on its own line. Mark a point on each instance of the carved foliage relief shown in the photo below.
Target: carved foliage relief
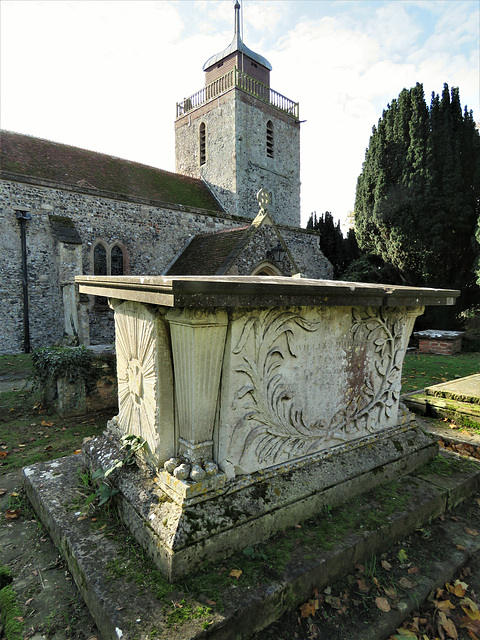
{"x": 139, "y": 338}
{"x": 305, "y": 380}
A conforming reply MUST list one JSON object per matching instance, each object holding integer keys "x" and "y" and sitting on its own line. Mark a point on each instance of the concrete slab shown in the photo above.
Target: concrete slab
{"x": 132, "y": 609}
{"x": 464, "y": 389}
{"x": 457, "y": 400}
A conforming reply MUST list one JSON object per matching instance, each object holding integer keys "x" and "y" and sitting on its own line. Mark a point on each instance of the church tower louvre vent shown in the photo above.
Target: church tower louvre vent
{"x": 270, "y": 139}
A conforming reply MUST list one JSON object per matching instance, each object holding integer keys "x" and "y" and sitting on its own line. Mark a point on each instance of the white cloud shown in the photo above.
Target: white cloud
{"x": 105, "y": 75}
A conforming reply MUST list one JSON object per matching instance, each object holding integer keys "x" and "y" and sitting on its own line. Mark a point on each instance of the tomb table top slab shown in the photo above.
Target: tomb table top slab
{"x": 259, "y": 292}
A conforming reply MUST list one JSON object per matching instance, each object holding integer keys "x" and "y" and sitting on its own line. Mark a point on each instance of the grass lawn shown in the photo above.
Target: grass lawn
{"x": 15, "y": 364}
{"x": 29, "y": 434}
{"x": 422, "y": 369}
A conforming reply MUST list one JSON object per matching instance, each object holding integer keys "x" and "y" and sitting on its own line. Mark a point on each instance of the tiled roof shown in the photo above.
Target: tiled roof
{"x": 36, "y": 158}
{"x": 208, "y": 254}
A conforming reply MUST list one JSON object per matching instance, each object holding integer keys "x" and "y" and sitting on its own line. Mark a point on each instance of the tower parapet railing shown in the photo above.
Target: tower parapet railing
{"x": 240, "y": 80}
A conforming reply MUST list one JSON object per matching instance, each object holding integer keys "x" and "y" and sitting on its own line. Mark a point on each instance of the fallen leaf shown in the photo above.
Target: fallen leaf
{"x": 48, "y": 448}
{"x": 406, "y": 634}
{"x": 473, "y": 615}
{"x": 444, "y": 605}
{"x": 382, "y": 604}
{"x": 3, "y": 454}
{"x": 211, "y": 602}
{"x": 363, "y": 586}
{"x": 45, "y": 423}
{"x": 402, "y": 555}
{"x": 235, "y": 573}
{"x": 460, "y": 547}
{"x": 413, "y": 570}
{"x": 406, "y": 583}
{"x": 468, "y": 602}
{"x": 471, "y": 532}
{"x": 3, "y": 492}
{"x": 386, "y": 565}
{"x": 391, "y": 593}
{"x": 308, "y": 608}
{"x": 459, "y": 588}
{"x": 27, "y": 602}
{"x": 81, "y": 518}
{"x": 333, "y": 601}
{"x": 11, "y": 514}
{"x": 77, "y": 451}
{"x": 448, "y": 625}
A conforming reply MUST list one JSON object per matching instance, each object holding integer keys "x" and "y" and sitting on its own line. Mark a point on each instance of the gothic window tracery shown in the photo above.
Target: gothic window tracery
{"x": 107, "y": 260}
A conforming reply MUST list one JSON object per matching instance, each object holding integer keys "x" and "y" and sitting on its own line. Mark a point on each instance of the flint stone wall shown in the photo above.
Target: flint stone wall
{"x": 236, "y": 127}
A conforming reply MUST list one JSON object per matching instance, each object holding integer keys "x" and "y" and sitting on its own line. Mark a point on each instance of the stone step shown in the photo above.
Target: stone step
{"x": 128, "y": 610}
{"x": 466, "y": 390}
{"x": 438, "y": 407}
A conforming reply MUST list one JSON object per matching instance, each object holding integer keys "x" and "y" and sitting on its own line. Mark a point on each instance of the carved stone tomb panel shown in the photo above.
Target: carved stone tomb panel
{"x": 301, "y": 380}
{"x": 145, "y": 379}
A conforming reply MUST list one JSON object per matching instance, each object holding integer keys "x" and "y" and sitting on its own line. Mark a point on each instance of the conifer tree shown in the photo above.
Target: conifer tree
{"x": 417, "y": 200}
{"x": 339, "y": 250}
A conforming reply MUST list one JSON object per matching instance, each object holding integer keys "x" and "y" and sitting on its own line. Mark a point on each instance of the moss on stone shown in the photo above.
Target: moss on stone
{"x": 10, "y": 614}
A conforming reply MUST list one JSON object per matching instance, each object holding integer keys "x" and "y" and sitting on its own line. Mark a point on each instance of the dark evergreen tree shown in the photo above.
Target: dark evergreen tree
{"x": 417, "y": 199}
{"x": 339, "y": 250}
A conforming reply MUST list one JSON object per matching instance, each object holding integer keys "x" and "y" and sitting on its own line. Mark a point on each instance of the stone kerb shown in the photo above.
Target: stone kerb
{"x": 242, "y": 388}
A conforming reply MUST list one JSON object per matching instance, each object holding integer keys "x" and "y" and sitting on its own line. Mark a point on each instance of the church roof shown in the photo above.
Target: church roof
{"x": 210, "y": 254}
{"x": 70, "y": 166}
{"x": 237, "y": 44}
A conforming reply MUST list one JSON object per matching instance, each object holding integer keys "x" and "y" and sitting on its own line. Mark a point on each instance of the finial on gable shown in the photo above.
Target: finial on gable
{"x": 264, "y": 198}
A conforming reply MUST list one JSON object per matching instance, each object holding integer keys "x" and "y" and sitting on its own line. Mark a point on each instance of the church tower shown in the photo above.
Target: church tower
{"x": 239, "y": 135}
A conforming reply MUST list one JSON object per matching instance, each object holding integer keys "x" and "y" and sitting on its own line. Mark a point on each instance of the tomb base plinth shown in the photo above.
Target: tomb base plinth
{"x": 217, "y": 518}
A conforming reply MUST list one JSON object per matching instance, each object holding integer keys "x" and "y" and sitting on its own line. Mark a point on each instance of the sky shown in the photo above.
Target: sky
{"x": 106, "y": 75}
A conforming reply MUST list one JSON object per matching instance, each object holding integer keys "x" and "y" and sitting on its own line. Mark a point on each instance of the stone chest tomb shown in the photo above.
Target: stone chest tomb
{"x": 260, "y": 401}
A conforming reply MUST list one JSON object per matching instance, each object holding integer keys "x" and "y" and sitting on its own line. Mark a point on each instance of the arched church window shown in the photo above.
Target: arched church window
{"x": 100, "y": 260}
{"x": 116, "y": 261}
{"x": 203, "y": 144}
{"x": 270, "y": 139}
{"x": 108, "y": 261}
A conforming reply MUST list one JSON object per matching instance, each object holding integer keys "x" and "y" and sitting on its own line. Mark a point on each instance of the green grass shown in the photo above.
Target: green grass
{"x": 17, "y": 363}
{"x": 29, "y": 434}
{"x": 10, "y": 614}
{"x": 423, "y": 370}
